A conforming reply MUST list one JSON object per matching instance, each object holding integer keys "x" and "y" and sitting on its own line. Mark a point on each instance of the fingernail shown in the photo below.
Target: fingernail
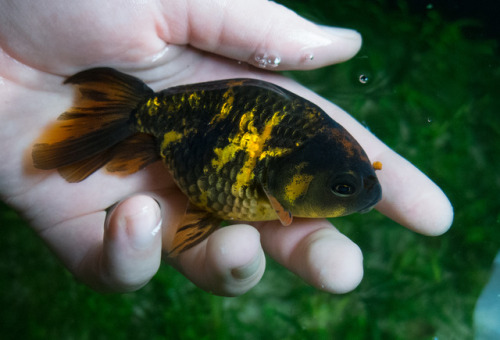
{"x": 109, "y": 212}
{"x": 345, "y": 33}
{"x": 143, "y": 226}
{"x": 248, "y": 270}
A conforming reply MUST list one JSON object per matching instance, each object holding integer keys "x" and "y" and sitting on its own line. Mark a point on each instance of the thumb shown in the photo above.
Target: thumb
{"x": 131, "y": 250}
{"x": 259, "y": 32}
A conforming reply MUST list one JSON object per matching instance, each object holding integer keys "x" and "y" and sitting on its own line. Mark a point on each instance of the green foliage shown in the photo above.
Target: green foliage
{"x": 430, "y": 96}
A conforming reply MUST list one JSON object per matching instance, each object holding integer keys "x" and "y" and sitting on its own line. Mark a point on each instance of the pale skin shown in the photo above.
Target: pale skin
{"x": 167, "y": 43}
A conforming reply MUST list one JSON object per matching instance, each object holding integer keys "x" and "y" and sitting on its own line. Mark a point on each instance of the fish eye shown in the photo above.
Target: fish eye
{"x": 344, "y": 185}
{"x": 343, "y": 190}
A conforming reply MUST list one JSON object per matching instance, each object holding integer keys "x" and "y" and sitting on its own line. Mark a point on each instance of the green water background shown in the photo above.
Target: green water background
{"x": 430, "y": 95}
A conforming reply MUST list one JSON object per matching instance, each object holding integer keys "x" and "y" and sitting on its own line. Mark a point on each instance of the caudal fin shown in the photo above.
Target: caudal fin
{"x": 89, "y": 134}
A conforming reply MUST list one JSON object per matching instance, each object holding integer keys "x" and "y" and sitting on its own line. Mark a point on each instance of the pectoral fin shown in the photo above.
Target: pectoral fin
{"x": 196, "y": 226}
{"x": 284, "y": 215}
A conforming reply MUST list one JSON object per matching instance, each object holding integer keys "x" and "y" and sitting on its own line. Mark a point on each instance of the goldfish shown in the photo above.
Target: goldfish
{"x": 239, "y": 149}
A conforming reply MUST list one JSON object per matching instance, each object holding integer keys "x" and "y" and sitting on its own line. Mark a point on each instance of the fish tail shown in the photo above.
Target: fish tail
{"x": 97, "y": 129}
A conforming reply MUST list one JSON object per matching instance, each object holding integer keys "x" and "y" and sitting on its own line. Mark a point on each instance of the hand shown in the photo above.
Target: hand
{"x": 167, "y": 43}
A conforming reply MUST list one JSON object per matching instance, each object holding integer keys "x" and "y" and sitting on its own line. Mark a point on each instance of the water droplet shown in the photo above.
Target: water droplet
{"x": 276, "y": 61}
{"x": 430, "y": 6}
{"x": 429, "y": 119}
{"x": 265, "y": 60}
{"x": 240, "y": 62}
{"x": 363, "y": 79}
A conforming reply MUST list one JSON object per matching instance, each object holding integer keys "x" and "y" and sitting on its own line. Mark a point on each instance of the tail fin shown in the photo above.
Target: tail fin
{"x": 88, "y": 135}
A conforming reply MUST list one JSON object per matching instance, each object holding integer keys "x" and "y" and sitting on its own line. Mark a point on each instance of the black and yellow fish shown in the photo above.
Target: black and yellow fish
{"x": 240, "y": 149}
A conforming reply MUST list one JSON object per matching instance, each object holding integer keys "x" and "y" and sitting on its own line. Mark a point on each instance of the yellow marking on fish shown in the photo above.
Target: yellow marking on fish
{"x": 153, "y": 102}
{"x": 153, "y": 105}
{"x": 203, "y": 198}
{"x": 339, "y": 211}
{"x": 312, "y": 114}
{"x": 275, "y": 152}
{"x": 224, "y": 155}
{"x": 175, "y": 137}
{"x": 228, "y": 97}
{"x": 298, "y": 185}
{"x": 246, "y": 119}
{"x": 194, "y": 99}
{"x": 171, "y": 137}
{"x": 249, "y": 140}
{"x": 253, "y": 143}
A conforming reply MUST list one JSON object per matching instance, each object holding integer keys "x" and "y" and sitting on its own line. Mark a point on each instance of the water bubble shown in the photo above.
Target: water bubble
{"x": 363, "y": 79}
{"x": 430, "y": 6}
{"x": 265, "y": 60}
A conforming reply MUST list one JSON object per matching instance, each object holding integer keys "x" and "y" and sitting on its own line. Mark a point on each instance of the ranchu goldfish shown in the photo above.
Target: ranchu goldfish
{"x": 240, "y": 149}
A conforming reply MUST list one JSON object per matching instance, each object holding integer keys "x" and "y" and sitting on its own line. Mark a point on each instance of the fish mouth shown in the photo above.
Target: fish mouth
{"x": 369, "y": 207}
{"x": 366, "y": 210}
{"x": 375, "y": 200}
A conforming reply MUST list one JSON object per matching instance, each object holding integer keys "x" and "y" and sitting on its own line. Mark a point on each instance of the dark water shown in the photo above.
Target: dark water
{"x": 484, "y": 12}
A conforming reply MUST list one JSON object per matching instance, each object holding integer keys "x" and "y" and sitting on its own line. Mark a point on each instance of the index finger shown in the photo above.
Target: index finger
{"x": 274, "y": 38}
{"x": 409, "y": 197}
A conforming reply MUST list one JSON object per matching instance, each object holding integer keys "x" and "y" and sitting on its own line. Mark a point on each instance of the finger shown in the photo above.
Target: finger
{"x": 131, "y": 253}
{"x": 119, "y": 258}
{"x": 274, "y": 37}
{"x": 409, "y": 197}
{"x": 315, "y": 251}
{"x": 229, "y": 263}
